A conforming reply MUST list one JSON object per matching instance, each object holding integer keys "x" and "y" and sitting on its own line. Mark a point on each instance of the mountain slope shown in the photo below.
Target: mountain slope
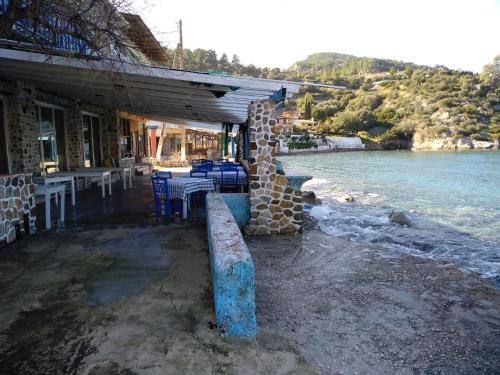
{"x": 397, "y": 104}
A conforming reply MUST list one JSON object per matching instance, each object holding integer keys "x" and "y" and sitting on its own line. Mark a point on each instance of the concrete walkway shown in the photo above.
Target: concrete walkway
{"x": 115, "y": 293}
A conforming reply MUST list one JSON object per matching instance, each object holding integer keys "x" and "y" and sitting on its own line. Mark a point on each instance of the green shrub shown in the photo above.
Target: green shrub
{"x": 302, "y": 145}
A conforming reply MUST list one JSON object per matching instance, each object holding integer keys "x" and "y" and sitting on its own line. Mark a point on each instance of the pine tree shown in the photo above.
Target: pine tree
{"x": 308, "y": 106}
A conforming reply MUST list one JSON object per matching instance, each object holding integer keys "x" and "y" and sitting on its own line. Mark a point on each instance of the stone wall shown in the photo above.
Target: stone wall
{"x": 16, "y": 201}
{"x": 275, "y": 208}
{"x": 74, "y": 136}
{"x": 24, "y": 149}
{"x": 22, "y": 127}
{"x": 110, "y": 137}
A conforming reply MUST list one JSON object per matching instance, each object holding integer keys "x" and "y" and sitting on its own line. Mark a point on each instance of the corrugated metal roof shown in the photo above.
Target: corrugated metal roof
{"x": 151, "y": 91}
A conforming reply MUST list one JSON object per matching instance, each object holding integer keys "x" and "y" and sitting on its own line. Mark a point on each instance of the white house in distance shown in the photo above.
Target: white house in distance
{"x": 338, "y": 142}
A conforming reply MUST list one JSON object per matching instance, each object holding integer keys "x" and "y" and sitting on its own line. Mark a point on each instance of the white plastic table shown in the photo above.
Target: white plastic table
{"x": 103, "y": 175}
{"x": 47, "y": 191}
{"x": 122, "y": 171}
{"x": 49, "y": 180}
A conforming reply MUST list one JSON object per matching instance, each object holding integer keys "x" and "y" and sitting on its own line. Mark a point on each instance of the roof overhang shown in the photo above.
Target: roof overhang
{"x": 151, "y": 91}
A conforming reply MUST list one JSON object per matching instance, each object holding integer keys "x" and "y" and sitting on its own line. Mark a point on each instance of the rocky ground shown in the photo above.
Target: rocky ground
{"x": 129, "y": 299}
{"x": 352, "y": 308}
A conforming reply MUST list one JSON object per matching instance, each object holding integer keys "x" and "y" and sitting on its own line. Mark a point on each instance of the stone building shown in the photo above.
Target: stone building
{"x": 59, "y": 112}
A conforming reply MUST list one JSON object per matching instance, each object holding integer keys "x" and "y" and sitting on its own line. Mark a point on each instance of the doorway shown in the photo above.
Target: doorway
{"x": 91, "y": 128}
{"x": 52, "y": 138}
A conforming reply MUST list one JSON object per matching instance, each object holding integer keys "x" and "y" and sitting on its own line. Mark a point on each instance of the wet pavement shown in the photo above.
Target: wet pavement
{"x": 114, "y": 292}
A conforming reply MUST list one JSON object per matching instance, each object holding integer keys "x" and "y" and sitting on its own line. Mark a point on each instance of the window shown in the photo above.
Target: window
{"x": 125, "y": 138}
{"x": 52, "y": 138}
{"x": 4, "y": 158}
{"x": 91, "y": 128}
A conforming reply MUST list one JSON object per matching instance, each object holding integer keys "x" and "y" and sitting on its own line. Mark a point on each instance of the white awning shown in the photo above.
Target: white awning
{"x": 154, "y": 92}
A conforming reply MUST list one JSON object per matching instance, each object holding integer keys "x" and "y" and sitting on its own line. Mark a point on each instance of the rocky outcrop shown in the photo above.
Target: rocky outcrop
{"x": 400, "y": 218}
{"x": 483, "y": 145}
{"x": 449, "y": 143}
{"x": 309, "y": 197}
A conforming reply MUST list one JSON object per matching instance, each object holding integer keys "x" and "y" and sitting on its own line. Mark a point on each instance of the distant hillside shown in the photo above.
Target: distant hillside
{"x": 394, "y": 103}
{"x": 348, "y": 64}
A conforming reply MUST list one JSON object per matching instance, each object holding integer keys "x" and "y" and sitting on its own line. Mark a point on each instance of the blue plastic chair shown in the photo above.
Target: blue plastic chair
{"x": 162, "y": 198}
{"x": 164, "y": 174}
{"x": 228, "y": 166}
{"x": 199, "y": 172}
{"x": 207, "y": 164}
{"x": 197, "y": 162}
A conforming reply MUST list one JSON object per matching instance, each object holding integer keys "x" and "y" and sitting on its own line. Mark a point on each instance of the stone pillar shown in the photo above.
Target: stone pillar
{"x": 183, "y": 145}
{"x": 275, "y": 208}
{"x": 74, "y": 136}
{"x": 110, "y": 137}
{"x": 22, "y": 128}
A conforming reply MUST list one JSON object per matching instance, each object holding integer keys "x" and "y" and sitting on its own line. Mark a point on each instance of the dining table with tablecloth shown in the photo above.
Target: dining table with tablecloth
{"x": 183, "y": 187}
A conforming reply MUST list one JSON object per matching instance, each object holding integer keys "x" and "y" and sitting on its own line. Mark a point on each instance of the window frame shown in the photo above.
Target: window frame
{"x": 3, "y": 103}
{"x": 91, "y": 114}
{"x": 53, "y": 107}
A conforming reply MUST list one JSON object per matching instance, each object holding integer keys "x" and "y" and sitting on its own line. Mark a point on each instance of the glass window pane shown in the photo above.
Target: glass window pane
{"x": 47, "y": 139}
{"x": 96, "y": 138}
{"x": 87, "y": 143}
{"x": 60, "y": 139}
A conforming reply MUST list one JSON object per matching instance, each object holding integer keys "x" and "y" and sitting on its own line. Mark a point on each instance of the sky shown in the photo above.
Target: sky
{"x": 458, "y": 34}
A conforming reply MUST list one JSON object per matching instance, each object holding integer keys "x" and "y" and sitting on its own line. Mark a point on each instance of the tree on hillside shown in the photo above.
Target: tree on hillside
{"x": 235, "y": 62}
{"x": 408, "y": 71}
{"x": 308, "y": 106}
{"x": 224, "y": 63}
{"x": 491, "y": 72}
{"x": 346, "y": 123}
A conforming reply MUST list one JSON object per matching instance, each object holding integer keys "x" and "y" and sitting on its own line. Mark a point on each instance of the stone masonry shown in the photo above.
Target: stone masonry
{"x": 23, "y": 128}
{"x": 24, "y": 148}
{"x": 275, "y": 208}
{"x": 16, "y": 201}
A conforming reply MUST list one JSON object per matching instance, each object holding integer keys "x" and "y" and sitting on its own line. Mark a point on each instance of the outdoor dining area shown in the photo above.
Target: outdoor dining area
{"x": 172, "y": 193}
{"x": 53, "y": 187}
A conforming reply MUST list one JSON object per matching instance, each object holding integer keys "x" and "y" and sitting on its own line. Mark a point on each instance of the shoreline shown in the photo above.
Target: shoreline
{"x": 326, "y": 151}
{"x": 357, "y": 308}
{"x": 389, "y": 150}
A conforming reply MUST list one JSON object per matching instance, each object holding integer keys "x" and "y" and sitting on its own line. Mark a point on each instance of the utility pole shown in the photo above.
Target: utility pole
{"x": 181, "y": 47}
{"x": 179, "y": 51}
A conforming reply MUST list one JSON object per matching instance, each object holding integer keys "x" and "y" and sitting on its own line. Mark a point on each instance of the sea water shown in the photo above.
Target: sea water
{"x": 451, "y": 198}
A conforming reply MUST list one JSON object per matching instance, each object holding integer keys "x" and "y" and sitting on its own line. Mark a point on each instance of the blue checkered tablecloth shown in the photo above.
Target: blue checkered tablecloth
{"x": 229, "y": 177}
{"x": 181, "y": 187}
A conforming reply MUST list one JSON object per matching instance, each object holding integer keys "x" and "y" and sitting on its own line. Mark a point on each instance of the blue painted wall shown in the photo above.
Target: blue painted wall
{"x": 231, "y": 267}
{"x": 239, "y": 205}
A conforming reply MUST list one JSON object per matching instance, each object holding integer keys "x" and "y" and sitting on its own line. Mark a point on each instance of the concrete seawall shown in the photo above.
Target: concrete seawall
{"x": 232, "y": 271}
{"x": 308, "y": 152}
